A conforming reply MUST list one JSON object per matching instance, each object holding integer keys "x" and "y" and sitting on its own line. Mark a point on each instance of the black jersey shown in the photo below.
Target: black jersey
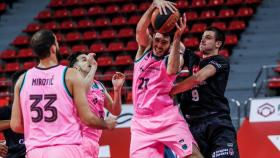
{"x": 208, "y": 97}
{"x": 14, "y": 141}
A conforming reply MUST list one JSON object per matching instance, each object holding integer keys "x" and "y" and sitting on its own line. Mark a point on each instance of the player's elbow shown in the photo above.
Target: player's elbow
{"x": 16, "y": 126}
{"x": 197, "y": 78}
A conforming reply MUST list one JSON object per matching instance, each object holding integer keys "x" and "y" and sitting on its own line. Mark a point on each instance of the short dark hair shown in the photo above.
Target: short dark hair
{"x": 73, "y": 58}
{"x": 220, "y": 35}
{"x": 41, "y": 42}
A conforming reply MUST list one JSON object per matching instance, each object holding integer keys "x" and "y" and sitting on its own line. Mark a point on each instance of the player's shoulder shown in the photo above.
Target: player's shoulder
{"x": 220, "y": 58}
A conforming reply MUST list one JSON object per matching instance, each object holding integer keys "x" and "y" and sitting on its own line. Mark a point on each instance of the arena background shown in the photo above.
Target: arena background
{"x": 107, "y": 28}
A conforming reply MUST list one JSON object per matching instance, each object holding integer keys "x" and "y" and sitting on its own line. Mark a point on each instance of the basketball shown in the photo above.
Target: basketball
{"x": 164, "y": 23}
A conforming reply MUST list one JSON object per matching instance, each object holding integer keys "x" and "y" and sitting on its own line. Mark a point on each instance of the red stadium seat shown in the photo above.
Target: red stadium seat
{"x": 245, "y": 12}
{"x": 198, "y": 27}
{"x": 129, "y": 8}
{"x": 85, "y": 23}
{"x": 133, "y": 20}
{"x": 274, "y": 82}
{"x": 224, "y": 52}
{"x": 29, "y": 65}
{"x": 98, "y": 76}
{"x": 104, "y": 61}
{"x": 97, "y": 48}
{"x": 182, "y": 4}
{"x": 21, "y": 40}
{"x": 90, "y": 35}
{"x": 96, "y": 10}
{"x": 220, "y": 25}
{"x": 59, "y": 37}
{"x": 64, "y": 50}
{"x": 73, "y": 36}
{"x": 226, "y": 13}
{"x": 108, "y": 34}
{"x": 126, "y": 32}
{"x": 123, "y": 60}
{"x": 67, "y": 25}
{"x": 119, "y": 21}
{"x": 128, "y": 74}
{"x": 191, "y": 15}
{"x": 131, "y": 46}
{"x": 51, "y": 25}
{"x": 212, "y": 3}
{"x": 87, "y": 2}
{"x": 115, "y": 46}
{"x": 80, "y": 48}
{"x": 78, "y": 12}
{"x": 209, "y": 14}
{"x": 234, "y": 2}
{"x": 191, "y": 42}
{"x": 69, "y": 3}
{"x": 8, "y": 53}
{"x": 56, "y": 3}
{"x": 102, "y": 22}
{"x": 32, "y": 27}
{"x": 112, "y": 9}
{"x": 237, "y": 25}
{"x": 108, "y": 75}
{"x": 3, "y": 7}
{"x": 3, "y": 103}
{"x": 25, "y": 53}
{"x": 63, "y": 13}
{"x": 11, "y": 67}
{"x": 231, "y": 40}
{"x": 64, "y": 62}
{"x": 144, "y": 6}
{"x": 128, "y": 99}
{"x": 45, "y": 14}
{"x": 198, "y": 3}
{"x": 252, "y": 1}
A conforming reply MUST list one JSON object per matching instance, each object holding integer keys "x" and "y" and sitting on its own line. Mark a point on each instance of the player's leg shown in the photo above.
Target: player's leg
{"x": 223, "y": 142}
{"x": 179, "y": 139}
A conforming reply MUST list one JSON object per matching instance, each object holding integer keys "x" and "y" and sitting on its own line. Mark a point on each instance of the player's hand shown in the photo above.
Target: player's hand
{"x": 162, "y": 5}
{"x": 181, "y": 26}
{"x": 92, "y": 61}
{"x": 118, "y": 80}
{"x": 3, "y": 150}
{"x": 111, "y": 123}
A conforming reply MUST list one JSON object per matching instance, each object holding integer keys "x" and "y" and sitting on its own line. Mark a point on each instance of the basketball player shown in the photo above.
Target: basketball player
{"x": 14, "y": 141}
{"x": 44, "y": 106}
{"x": 98, "y": 98}
{"x": 203, "y": 103}
{"x": 156, "y": 121}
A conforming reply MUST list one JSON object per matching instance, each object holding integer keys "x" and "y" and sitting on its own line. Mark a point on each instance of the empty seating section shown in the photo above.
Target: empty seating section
{"x": 107, "y": 28}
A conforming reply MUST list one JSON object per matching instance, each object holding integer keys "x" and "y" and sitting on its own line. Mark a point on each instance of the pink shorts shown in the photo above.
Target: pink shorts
{"x": 150, "y": 134}
{"x": 90, "y": 147}
{"x": 58, "y": 151}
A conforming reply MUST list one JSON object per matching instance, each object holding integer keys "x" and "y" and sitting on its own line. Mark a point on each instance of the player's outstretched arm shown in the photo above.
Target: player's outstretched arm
{"x": 90, "y": 76}
{"x": 78, "y": 88}
{"x": 114, "y": 106}
{"x": 193, "y": 80}
{"x": 173, "y": 65}
{"x": 17, "y": 118}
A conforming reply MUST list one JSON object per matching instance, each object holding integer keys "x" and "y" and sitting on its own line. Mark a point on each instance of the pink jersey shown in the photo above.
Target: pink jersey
{"x": 96, "y": 97}
{"x": 151, "y": 85}
{"x": 49, "y": 114}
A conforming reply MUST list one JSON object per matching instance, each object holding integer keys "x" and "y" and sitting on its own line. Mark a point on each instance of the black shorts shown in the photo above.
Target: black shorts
{"x": 216, "y": 136}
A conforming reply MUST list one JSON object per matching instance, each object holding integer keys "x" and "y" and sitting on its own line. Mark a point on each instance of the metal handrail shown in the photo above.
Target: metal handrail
{"x": 255, "y": 87}
{"x": 238, "y": 111}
